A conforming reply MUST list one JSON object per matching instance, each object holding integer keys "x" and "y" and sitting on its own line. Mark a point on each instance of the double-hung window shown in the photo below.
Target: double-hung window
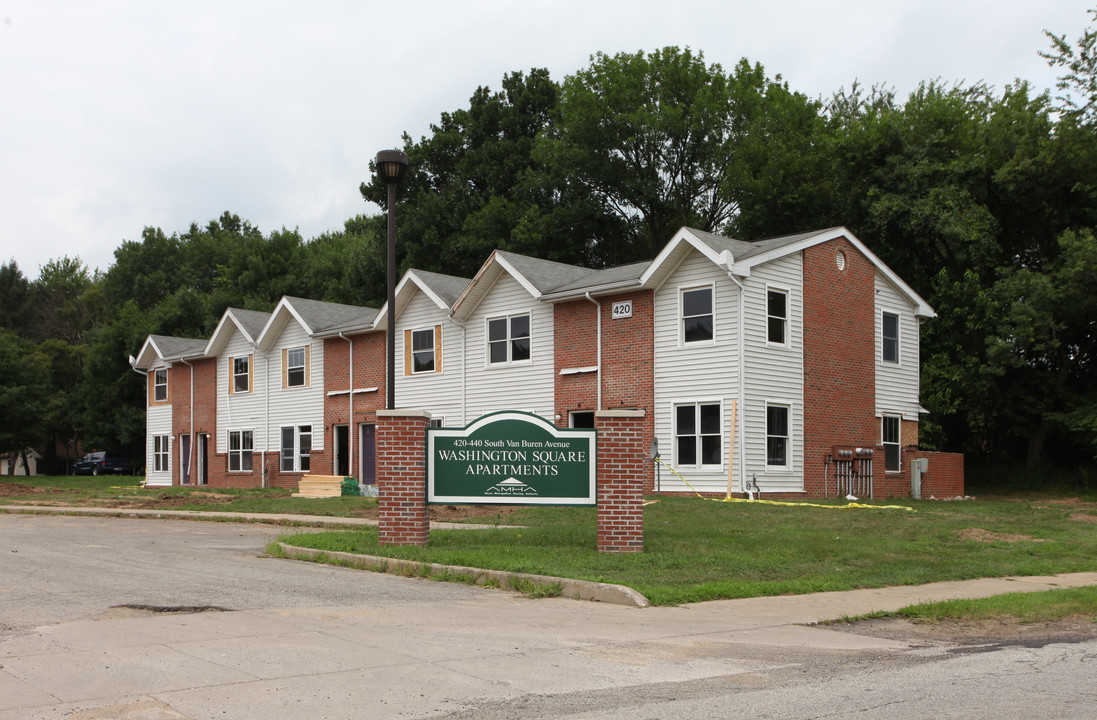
{"x": 697, "y": 434}
{"x": 241, "y": 443}
{"x": 697, "y": 323}
{"x": 777, "y": 317}
{"x": 160, "y": 385}
{"x": 508, "y": 339}
{"x": 890, "y": 331}
{"x": 296, "y": 446}
{"x": 777, "y": 445}
{"x": 890, "y": 436}
{"x": 421, "y": 350}
{"x": 241, "y": 374}
{"x": 296, "y": 361}
{"x": 161, "y": 453}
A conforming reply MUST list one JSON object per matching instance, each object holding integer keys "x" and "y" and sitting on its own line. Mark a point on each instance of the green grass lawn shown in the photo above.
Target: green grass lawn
{"x": 105, "y": 489}
{"x": 701, "y": 550}
{"x": 1021, "y": 607}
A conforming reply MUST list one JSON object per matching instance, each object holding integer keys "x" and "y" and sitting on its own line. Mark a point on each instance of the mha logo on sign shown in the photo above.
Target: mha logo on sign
{"x": 511, "y": 458}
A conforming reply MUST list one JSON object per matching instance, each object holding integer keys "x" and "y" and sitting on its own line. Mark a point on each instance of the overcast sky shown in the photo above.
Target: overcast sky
{"x": 121, "y": 114}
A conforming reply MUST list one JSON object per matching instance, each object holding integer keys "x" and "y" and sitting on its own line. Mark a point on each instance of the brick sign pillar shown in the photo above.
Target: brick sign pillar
{"x": 622, "y": 467}
{"x": 402, "y": 514}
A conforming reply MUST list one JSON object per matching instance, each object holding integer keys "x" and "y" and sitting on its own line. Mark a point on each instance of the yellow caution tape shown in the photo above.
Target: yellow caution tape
{"x": 779, "y": 502}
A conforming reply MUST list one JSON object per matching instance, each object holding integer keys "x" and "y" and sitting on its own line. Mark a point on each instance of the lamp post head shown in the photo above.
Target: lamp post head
{"x": 391, "y": 165}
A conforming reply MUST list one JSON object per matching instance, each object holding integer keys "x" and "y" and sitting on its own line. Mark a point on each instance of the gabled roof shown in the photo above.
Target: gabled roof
{"x": 544, "y": 279}
{"x": 443, "y": 291}
{"x": 738, "y": 257}
{"x": 165, "y": 348}
{"x": 317, "y": 318}
{"x": 248, "y": 323}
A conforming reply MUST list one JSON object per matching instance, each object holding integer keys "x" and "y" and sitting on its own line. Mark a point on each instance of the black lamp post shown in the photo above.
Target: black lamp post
{"x": 391, "y": 165}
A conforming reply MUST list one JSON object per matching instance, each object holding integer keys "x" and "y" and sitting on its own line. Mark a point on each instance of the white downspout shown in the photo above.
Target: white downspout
{"x": 464, "y": 365}
{"x": 133, "y": 366}
{"x": 742, "y": 387}
{"x": 350, "y": 401}
{"x": 266, "y": 411}
{"x": 598, "y": 361}
{"x": 190, "y": 450}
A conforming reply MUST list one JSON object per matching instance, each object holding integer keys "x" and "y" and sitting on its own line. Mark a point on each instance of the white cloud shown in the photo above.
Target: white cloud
{"x": 119, "y": 115}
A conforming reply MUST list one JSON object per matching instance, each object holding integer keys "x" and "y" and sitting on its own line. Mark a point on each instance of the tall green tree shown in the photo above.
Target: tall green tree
{"x": 16, "y": 299}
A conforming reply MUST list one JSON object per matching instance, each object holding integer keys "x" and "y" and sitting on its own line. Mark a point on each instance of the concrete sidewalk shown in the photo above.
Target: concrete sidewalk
{"x": 429, "y": 659}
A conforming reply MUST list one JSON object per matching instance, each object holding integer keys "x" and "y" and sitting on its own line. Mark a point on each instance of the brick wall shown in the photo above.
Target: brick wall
{"x": 839, "y": 356}
{"x": 628, "y": 361}
{"x": 369, "y": 371}
{"x": 622, "y": 469}
{"x": 402, "y": 514}
{"x": 205, "y": 416}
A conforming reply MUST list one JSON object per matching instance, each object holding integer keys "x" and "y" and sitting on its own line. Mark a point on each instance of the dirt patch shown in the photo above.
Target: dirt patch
{"x": 976, "y": 632}
{"x": 981, "y": 535}
{"x": 1084, "y": 517}
{"x": 19, "y": 490}
{"x": 456, "y": 513}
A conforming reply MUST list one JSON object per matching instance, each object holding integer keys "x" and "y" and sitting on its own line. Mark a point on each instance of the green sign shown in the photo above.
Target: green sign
{"x": 511, "y": 458}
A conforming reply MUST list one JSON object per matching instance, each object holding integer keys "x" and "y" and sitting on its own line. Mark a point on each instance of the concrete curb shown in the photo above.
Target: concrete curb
{"x": 575, "y": 589}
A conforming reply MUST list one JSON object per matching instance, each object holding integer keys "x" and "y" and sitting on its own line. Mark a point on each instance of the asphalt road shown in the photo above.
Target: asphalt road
{"x": 298, "y": 640}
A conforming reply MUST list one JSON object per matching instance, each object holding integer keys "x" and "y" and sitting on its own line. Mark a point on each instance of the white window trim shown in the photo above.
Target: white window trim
{"x": 699, "y": 466}
{"x": 898, "y": 361}
{"x": 681, "y": 317}
{"x": 297, "y": 454}
{"x": 305, "y": 369}
{"x": 410, "y": 361}
{"x": 229, "y": 451}
{"x": 437, "y": 421}
{"x": 487, "y": 341}
{"x": 161, "y": 448}
{"x": 898, "y": 444}
{"x": 157, "y": 385}
{"x": 789, "y": 454}
{"x": 787, "y": 292}
{"x": 232, "y": 373}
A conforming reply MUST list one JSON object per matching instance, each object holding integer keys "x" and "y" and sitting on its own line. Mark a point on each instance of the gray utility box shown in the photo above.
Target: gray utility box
{"x": 918, "y": 467}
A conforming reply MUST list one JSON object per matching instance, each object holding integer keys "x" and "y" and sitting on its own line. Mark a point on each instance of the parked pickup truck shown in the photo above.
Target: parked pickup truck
{"x": 101, "y": 463}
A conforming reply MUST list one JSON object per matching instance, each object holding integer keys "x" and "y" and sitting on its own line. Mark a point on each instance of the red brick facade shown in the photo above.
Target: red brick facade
{"x": 839, "y": 356}
{"x": 402, "y": 514}
{"x": 622, "y": 469}
{"x": 369, "y": 372}
{"x": 627, "y": 372}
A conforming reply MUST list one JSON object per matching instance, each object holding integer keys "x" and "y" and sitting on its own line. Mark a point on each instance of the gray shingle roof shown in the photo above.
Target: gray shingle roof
{"x": 177, "y": 347}
{"x": 545, "y": 275}
{"x": 606, "y": 276}
{"x": 252, "y": 320}
{"x": 447, "y": 287}
{"x": 324, "y": 316}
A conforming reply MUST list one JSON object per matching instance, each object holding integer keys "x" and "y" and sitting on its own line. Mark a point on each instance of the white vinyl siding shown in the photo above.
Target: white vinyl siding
{"x": 244, "y": 409}
{"x": 896, "y": 383}
{"x": 300, "y": 405}
{"x": 159, "y": 425}
{"x": 695, "y": 373}
{"x": 268, "y": 399}
{"x": 437, "y": 392}
{"x": 528, "y": 386}
{"x": 774, "y": 373}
